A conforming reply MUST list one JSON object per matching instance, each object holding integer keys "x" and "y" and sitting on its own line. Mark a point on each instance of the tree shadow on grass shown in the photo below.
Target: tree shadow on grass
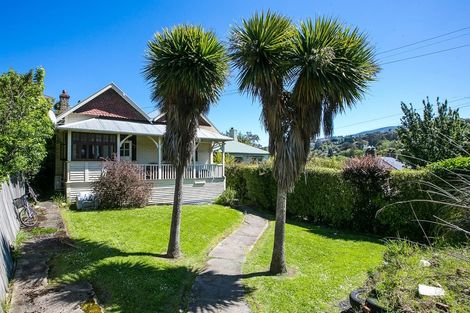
{"x": 143, "y": 282}
{"x": 124, "y": 282}
{"x": 214, "y": 292}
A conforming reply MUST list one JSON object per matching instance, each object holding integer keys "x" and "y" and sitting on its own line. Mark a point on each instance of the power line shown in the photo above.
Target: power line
{"x": 424, "y": 40}
{"x": 425, "y": 54}
{"x": 425, "y": 46}
{"x": 463, "y": 105}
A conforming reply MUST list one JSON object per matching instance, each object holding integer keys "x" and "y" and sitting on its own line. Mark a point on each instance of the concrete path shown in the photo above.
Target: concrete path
{"x": 31, "y": 292}
{"x": 219, "y": 287}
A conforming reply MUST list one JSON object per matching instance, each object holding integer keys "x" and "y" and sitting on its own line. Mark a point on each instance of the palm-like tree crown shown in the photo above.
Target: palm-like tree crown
{"x": 187, "y": 68}
{"x": 303, "y": 77}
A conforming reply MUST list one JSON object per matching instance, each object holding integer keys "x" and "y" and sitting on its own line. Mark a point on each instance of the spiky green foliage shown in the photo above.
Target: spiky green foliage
{"x": 258, "y": 49}
{"x": 25, "y": 126}
{"x": 187, "y": 69}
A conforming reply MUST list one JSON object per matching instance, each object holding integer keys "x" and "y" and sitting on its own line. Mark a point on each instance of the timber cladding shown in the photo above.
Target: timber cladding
{"x": 9, "y": 227}
{"x": 194, "y": 190}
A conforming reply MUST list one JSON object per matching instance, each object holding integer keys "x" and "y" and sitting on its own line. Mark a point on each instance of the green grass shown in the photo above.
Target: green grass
{"x": 325, "y": 265}
{"x": 120, "y": 253}
{"x": 396, "y": 282}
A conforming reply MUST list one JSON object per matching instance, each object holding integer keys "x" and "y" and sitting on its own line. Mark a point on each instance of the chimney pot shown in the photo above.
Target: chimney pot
{"x": 63, "y": 101}
{"x": 64, "y": 94}
{"x": 233, "y": 134}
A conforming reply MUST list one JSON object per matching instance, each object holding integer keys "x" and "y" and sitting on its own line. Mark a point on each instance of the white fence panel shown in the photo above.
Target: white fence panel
{"x": 9, "y": 226}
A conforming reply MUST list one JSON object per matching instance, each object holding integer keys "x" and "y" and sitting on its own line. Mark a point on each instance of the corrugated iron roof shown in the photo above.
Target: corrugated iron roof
{"x": 236, "y": 147}
{"x": 393, "y": 163}
{"x": 132, "y": 128}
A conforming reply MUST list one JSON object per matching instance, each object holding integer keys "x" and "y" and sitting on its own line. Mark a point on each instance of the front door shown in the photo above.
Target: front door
{"x": 126, "y": 150}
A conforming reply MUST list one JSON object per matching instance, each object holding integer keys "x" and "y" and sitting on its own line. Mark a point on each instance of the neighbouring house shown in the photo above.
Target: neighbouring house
{"x": 108, "y": 124}
{"x": 242, "y": 152}
{"x": 392, "y": 163}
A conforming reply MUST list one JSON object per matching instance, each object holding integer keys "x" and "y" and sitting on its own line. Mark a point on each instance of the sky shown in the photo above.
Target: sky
{"x": 85, "y": 45}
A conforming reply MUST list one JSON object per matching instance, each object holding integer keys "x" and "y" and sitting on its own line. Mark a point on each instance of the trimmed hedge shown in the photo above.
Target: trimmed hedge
{"x": 457, "y": 165}
{"x": 323, "y": 196}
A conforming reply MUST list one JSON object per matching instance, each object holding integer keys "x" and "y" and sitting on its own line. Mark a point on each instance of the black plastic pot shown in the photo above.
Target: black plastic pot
{"x": 358, "y": 303}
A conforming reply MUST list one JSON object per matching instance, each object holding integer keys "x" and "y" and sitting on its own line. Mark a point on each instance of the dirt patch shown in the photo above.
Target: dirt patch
{"x": 31, "y": 292}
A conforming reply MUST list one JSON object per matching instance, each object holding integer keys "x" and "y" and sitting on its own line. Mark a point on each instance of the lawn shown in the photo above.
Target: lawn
{"x": 324, "y": 266}
{"x": 120, "y": 253}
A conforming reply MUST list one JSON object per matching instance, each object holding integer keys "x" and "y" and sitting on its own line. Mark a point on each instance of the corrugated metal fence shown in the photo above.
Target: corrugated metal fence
{"x": 9, "y": 227}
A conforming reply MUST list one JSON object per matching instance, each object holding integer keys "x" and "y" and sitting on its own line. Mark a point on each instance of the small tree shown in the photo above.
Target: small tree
{"x": 25, "y": 126}
{"x": 431, "y": 137}
{"x": 120, "y": 186}
{"x": 369, "y": 177}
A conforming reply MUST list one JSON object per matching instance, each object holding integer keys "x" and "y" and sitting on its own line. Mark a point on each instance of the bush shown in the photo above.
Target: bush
{"x": 228, "y": 197}
{"x": 120, "y": 186}
{"x": 455, "y": 165}
{"x": 396, "y": 217}
{"x": 336, "y": 162}
{"x": 370, "y": 180}
{"x": 322, "y": 195}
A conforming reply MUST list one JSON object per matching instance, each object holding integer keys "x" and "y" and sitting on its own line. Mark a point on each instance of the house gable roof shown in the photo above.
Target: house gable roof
{"x": 236, "y": 147}
{"x": 110, "y": 102}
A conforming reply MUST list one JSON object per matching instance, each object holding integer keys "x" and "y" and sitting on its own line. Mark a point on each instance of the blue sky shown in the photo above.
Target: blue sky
{"x": 84, "y": 45}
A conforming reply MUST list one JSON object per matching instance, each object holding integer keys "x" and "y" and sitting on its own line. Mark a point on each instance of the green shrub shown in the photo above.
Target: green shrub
{"x": 336, "y": 162}
{"x": 396, "y": 217}
{"x": 323, "y": 196}
{"x": 370, "y": 179}
{"x": 120, "y": 186}
{"x": 235, "y": 180}
{"x": 458, "y": 164}
{"x": 227, "y": 198}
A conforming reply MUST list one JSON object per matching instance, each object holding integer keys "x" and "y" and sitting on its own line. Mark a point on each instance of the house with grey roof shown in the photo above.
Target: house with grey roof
{"x": 242, "y": 152}
{"x": 109, "y": 125}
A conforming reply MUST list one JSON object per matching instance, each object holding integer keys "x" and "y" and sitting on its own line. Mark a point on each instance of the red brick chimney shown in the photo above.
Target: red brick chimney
{"x": 64, "y": 101}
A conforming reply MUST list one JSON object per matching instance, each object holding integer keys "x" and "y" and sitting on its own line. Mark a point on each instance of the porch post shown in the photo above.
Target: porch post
{"x": 194, "y": 160}
{"x": 118, "y": 152}
{"x": 69, "y": 152}
{"x": 211, "y": 154}
{"x": 223, "y": 159}
{"x": 159, "y": 157}
{"x": 69, "y": 145}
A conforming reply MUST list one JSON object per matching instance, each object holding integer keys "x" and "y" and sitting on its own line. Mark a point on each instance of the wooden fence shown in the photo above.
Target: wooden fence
{"x": 9, "y": 227}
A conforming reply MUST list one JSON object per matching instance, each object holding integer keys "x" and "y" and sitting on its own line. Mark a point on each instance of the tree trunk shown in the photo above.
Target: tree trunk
{"x": 278, "y": 260}
{"x": 174, "y": 243}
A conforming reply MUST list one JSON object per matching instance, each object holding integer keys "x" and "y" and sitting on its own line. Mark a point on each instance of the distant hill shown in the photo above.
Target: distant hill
{"x": 384, "y": 139}
{"x": 377, "y": 130}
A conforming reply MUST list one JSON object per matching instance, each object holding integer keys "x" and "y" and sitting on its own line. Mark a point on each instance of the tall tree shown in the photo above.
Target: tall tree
{"x": 303, "y": 76}
{"x": 186, "y": 68}
{"x": 25, "y": 126}
{"x": 431, "y": 137}
{"x": 247, "y": 138}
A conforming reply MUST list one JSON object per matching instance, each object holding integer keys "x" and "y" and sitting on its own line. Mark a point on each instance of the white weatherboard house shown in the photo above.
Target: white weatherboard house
{"x": 109, "y": 124}
{"x": 244, "y": 153}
